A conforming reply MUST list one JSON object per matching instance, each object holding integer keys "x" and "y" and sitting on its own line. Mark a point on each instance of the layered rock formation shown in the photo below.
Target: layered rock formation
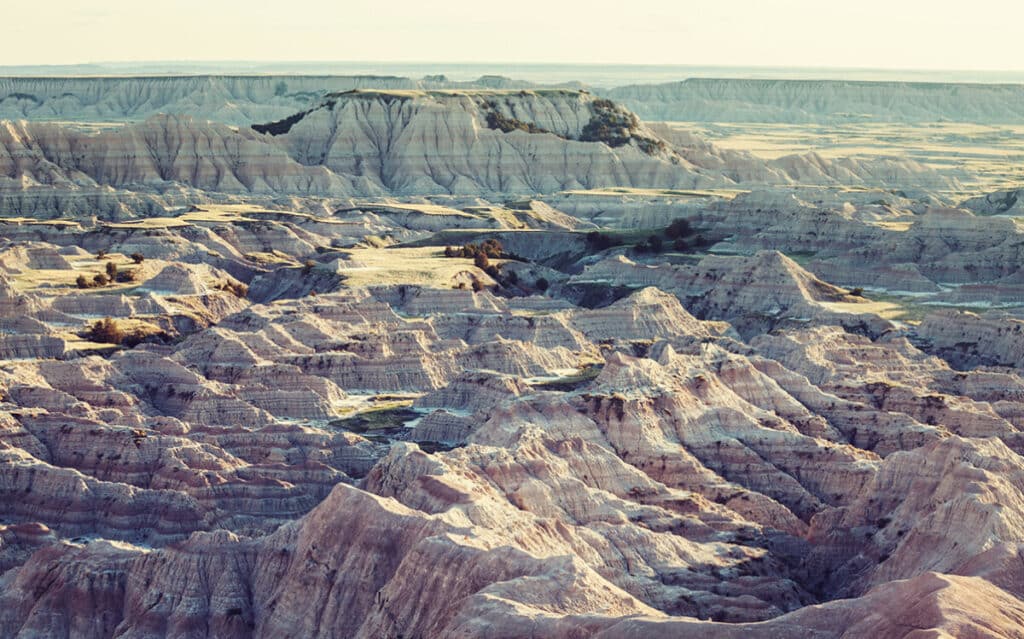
{"x": 822, "y": 101}
{"x": 290, "y": 395}
{"x": 372, "y": 142}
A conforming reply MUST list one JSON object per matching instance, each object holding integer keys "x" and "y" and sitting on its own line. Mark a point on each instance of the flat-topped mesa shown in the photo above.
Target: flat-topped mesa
{"x": 232, "y": 99}
{"x": 373, "y": 143}
{"x": 561, "y": 112}
{"x": 822, "y": 101}
{"x": 483, "y": 141}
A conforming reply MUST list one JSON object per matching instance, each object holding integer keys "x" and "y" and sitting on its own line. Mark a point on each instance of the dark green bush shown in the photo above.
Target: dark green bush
{"x": 679, "y": 227}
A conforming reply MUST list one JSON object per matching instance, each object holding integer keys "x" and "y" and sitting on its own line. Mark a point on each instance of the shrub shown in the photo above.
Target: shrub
{"x": 501, "y": 122}
{"x": 127, "y": 276}
{"x": 477, "y": 286}
{"x": 609, "y": 124}
{"x": 492, "y": 248}
{"x": 856, "y": 292}
{"x": 138, "y": 258}
{"x": 83, "y": 282}
{"x": 680, "y": 245}
{"x": 542, "y": 284}
{"x": 100, "y": 280}
{"x": 599, "y": 241}
{"x": 679, "y": 228}
{"x": 100, "y": 254}
{"x": 655, "y": 243}
{"x": 650, "y": 146}
{"x": 513, "y": 277}
{"x": 111, "y": 271}
{"x": 489, "y": 249}
{"x": 308, "y": 266}
{"x": 106, "y": 331}
{"x": 481, "y": 260}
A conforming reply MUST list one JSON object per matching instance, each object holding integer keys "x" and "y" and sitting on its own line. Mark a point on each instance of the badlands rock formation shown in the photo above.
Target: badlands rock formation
{"x": 236, "y": 100}
{"x": 443, "y": 363}
{"x": 822, "y": 101}
{"x": 373, "y": 142}
{"x": 241, "y": 99}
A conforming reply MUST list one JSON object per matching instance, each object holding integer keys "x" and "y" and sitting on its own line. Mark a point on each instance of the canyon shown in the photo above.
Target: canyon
{"x": 329, "y": 356}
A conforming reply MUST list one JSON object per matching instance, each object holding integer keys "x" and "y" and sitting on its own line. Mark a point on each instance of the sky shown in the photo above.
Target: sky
{"x": 884, "y": 34}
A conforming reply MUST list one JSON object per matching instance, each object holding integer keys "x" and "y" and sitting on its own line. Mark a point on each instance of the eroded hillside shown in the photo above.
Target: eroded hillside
{"x": 429, "y": 362}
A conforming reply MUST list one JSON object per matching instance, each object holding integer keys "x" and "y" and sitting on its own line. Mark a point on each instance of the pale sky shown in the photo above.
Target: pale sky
{"x": 902, "y": 34}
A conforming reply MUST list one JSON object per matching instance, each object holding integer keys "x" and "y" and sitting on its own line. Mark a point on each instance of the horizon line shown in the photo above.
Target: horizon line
{"x": 513, "y": 63}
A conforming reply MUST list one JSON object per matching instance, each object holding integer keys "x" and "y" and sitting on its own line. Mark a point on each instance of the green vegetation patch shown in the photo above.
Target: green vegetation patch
{"x": 615, "y": 126}
{"x": 386, "y": 417}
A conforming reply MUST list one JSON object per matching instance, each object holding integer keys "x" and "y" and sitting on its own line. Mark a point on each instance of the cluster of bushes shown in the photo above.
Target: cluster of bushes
{"x": 95, "y": 281}
{"x": 106, "y": 331}
{"x": 481, "y": 255}
{"x": 490, "y": 248}
{"x": 609, "y": 124}
{"x": 616, "y": 126}
{"x": 110, "y": 331}
{"x": 676, "y": 235}
{"x": 113, "y": 274}
{"x": 651, "y": 146}
{"x": 501, "y": 122}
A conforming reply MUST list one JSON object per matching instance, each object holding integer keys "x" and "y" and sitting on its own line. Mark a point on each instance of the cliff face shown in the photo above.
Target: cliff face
{"x": 372, "y": 143}
{"x": 229, "y": 99}
{"x": 483, "y": 142}
{"x": 354, "y": 144}
{"x": 241, "y": 100}
{"x": 822, "y": 101}
{"x": 154, "y": 154}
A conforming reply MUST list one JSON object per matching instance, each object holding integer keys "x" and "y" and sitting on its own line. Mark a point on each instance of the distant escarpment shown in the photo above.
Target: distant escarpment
{"x": 371, "y": 143}
{"x": 822, "y": 101}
